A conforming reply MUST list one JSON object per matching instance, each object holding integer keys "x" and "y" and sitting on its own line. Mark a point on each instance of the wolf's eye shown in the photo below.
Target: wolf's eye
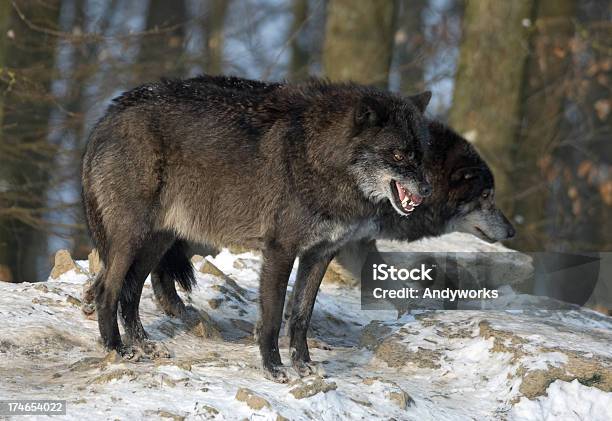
{"x": 468, "y": 175}
{"x": 411, "y": 155}
{"x": 398, "y": 156}
{"x": 485, "y": 194}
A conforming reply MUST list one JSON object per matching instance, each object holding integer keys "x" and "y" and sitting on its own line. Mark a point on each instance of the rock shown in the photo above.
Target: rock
{"x": 397, "y": 395}
{"x": 362, "y": 403}
{"x": 373, "y": 334}
{"x": 87, "y": 363}
{"x": 370, "y": 380}
{"x": 253, "y": 400}
{"x": 202, "y": 325}
{"x": 41, "y": 288}
{"x": 308, "y": 388}
{"x": 114, "y": 375}
{"x": 63, "y": 264}
{"x": 279, "y": 417}
{"x": 243, "y": 325}
{"x": 165, "y": 414}
{"x": 396, "y": 354}
{"x": 210, "y": 409}
{"x": 213, "y": 270}
{"x": 5, "y": 274}
{"x": 590, "y": 370}
{"x": 73, "y": 300}
{"x": 95, "y": 264}
{"x": 401, "y": 398}
{"x": 215, "y": 303}
{"x": 336, "y": 274}
{"x": 112, "y": 357}
{"x": 196, "y": 258}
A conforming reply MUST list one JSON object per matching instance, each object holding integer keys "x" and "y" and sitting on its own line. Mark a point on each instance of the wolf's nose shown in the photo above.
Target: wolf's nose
{"x": 511, "y": 232}
{"x": 424, "y": 189}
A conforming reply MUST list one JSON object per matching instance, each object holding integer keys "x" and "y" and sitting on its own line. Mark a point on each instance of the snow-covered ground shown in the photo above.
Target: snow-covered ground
{"x": 427, "y": 365}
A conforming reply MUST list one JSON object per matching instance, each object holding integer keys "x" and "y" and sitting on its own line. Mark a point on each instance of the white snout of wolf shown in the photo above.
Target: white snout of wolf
{"x": 231, "y": 162}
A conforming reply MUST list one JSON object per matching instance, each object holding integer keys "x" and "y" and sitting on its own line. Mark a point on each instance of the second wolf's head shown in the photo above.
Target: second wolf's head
{"x": 467, "y": 195}
{"x": 392, "y": 137}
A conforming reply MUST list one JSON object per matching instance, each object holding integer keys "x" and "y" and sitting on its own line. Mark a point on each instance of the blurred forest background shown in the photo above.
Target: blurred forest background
{"x": 528, "y": 81}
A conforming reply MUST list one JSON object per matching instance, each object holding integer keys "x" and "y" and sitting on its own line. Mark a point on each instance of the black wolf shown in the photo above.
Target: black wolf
{"x": 291, "y": 170}
{"x": 462, "y": 199}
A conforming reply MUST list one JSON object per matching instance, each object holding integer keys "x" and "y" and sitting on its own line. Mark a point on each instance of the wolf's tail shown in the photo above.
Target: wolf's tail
{"x": 176, "y": 266}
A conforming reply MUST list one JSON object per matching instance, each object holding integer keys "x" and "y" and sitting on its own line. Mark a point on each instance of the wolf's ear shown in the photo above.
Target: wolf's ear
{"x": 421, "y": 100}
{"x": 369, "y": 113}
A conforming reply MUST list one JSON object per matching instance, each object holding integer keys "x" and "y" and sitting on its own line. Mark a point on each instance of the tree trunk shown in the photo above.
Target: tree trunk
{"x": 161, "y": 53}
{"x": 359, "y": 41}
{"x": 215, "y": 23}
{"x": 300, "y": 57}
{"x": 410, "y": 40}
{"x": 6, "y": 274}
{"x": 544, "y": 92}
{"x": 490, "y": 75}
{"x": 29, "y": 53}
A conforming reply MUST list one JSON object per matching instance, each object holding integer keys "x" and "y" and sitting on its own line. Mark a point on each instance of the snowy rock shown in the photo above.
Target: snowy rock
{"x": 373, "y": 334}
{"x": 63, "y": 264}
{"x": 336, "y": 274}
{"x": 309, "y": 387}
{"x": 202, "y": 325}
{"x": 532, "y": 364}
{"x": 564, "y": 398}
{"x": 252, "y": 399}
{"x": 401, "y": 398}
{"x": 95, "y": 264}
{"x": 209, "y": 268}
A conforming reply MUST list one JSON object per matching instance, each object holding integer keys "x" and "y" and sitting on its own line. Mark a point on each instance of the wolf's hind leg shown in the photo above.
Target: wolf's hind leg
{"x": 174, "y": 267}
{"x": 146, "y": 259}
{"x": 165, "y": 293}
{"x": 277, "y": 264}
{"x": 108, "y": 291}
{"x": 311, "y": 269}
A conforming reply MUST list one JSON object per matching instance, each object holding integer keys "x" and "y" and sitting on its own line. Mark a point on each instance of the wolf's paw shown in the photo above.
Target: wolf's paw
{"x": 276, "y": 374}
{"x": 130, "y": 353}
{"x": 308, "y": 368}
{"x": 154, "y": 350}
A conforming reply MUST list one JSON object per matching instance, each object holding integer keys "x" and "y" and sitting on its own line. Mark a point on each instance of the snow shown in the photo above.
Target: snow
{"x": 567, "y": 401}
{"x": 455, "y": 365}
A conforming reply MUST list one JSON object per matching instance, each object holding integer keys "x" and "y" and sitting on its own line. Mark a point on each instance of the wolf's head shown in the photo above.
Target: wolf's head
{"x": 391, "y": 136}
{"x": 469, "y": 188}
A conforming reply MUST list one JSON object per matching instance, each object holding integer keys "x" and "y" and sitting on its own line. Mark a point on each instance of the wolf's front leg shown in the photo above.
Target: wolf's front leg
{"x": 313, "y": 265}
{"x": 277, "y": 264}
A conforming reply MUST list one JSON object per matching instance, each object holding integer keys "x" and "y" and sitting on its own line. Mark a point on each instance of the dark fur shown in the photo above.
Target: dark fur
{"x": 292, "y": 170}
{"x": 459, "y": 177}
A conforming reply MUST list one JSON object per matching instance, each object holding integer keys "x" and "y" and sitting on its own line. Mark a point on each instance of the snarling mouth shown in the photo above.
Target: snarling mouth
{"x": 404, "y": 199}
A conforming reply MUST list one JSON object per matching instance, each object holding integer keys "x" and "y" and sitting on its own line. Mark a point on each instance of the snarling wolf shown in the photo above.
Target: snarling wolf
{"x": 291, "y": 170}
{"x": 463, "y": 200}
